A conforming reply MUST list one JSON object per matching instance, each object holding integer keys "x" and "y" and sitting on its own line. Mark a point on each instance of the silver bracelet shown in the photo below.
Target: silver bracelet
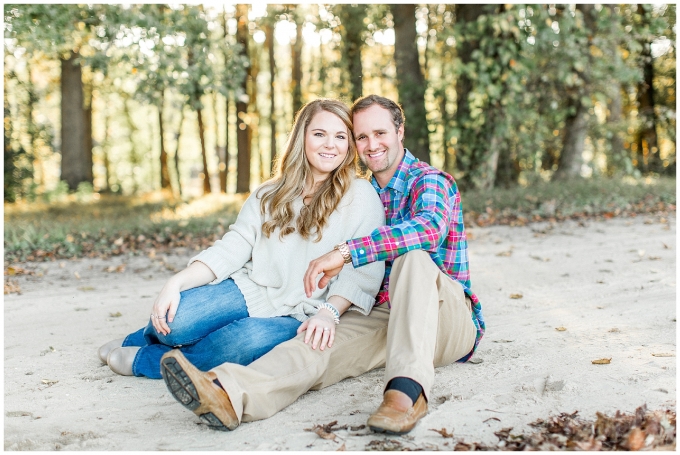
{"x": 332, "y": 309}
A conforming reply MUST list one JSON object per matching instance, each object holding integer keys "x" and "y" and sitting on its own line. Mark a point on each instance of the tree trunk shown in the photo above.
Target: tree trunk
{"x": 618, "y": 151}
{"x": 204, "y": 155}
{"x": 74, "y": 163}
{"x": 177, "y": 136}
{"x": 410, "y": 81}
{"x": 648, "y": 145}
{"x": 105, "y": 153}
{"x": 254, "y": 112}
{"x": 165, "y": 173}
{"x": 224, "y": 157}
{"x": 242, "y": 134}
{"x": 575, "y": 132}
{"x": 468, "y": 153}
{"x": 576, "y": 124}
{"x": 296, "y": 52}
{"x": 269, "y": 40}
{"x": 352, "y": 19}
{"x": 88, "y": 144}
{"x": 134, "y": 158}
{"x": 448, "y": 156}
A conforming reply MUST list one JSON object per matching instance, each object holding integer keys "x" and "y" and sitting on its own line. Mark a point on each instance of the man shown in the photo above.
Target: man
{"x": 425, "y": 314}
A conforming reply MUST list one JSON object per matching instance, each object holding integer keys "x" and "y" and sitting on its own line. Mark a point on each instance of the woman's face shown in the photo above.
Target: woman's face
{"x": 326, "y": 144}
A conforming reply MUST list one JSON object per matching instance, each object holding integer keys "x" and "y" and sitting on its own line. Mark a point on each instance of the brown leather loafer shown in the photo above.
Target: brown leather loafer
{"x": 196, "y": 390}
{"x": 396, "y": 415}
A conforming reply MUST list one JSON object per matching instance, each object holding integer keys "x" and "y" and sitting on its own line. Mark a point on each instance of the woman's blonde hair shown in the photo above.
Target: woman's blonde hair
{"x": 292, "y": 171}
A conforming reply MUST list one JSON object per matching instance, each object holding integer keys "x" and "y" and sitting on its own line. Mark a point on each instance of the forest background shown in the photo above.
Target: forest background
{"x": 127, "y": 125}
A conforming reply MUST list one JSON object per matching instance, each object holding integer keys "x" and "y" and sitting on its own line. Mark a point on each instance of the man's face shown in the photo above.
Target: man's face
{"x": 378, "y": 142}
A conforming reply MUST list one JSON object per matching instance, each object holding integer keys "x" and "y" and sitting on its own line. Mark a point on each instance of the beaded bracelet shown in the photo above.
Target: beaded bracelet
{"x": 332, "y": 309}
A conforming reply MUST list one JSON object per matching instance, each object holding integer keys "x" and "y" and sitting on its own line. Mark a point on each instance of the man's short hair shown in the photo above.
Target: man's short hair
{"x": 367, "y": 101}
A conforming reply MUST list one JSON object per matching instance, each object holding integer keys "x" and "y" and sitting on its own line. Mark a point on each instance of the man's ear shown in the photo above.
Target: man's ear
{"x": 400, "y": 133}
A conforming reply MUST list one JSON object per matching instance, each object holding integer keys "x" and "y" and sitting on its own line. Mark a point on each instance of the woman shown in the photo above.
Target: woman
{"x": 244, "y": 295}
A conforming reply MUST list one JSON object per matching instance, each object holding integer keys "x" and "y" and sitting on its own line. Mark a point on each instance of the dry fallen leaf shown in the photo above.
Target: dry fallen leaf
{"x": 12, "y": 286}
{"x": 119, "y": 241}
{"x": 664, "y": 354}
{"x": 86, "y": 288}
{"x": 602, "y": 361}
{"x": 615, "y": 330}
{"x": 324, "y": 431}
{"x": 560, "y": 329}
{"x": 636, "y": 439}
{"x": 76, "y": 274}
{"x": 516, "y": 296}
{"x": 504, "y": 253}
{"x": 16, "y": 270}
{"x": 342, "y": 448}
{"x": 116, "y": 314}
{"x": 443, "y": 432}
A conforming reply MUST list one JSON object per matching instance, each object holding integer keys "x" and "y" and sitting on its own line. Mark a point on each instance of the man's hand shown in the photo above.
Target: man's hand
{"x": 329, "y": 264}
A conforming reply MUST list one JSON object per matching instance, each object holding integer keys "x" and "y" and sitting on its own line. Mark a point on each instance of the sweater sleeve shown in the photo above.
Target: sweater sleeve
{"x": 235, "y": 248}
{"x": 360, "y": 285}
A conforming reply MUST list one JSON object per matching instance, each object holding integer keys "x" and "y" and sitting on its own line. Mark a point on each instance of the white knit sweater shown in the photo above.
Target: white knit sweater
{"x": 269, "y": 270}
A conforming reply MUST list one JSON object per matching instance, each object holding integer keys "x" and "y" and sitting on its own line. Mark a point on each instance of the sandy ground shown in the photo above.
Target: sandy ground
{"x": 610, "y": 284}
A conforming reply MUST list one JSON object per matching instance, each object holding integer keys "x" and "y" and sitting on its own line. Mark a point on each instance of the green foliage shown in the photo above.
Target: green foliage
{"x": 17, "y": 171}
{"x": 500, "y": 85}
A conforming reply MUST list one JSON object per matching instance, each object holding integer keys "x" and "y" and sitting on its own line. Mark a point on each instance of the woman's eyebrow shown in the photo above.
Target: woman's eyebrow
{"x": 321, "y": 129}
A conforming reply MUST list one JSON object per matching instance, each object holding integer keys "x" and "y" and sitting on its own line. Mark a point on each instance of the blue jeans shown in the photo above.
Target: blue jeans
{"x": 211, "y": 327}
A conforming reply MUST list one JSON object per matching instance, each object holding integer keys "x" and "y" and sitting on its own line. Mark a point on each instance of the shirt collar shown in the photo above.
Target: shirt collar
{"x": 398, "y": 180}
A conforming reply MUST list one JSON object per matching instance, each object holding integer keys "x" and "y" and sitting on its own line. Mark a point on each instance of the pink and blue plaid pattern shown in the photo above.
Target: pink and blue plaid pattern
{"x": 423, "y": 211}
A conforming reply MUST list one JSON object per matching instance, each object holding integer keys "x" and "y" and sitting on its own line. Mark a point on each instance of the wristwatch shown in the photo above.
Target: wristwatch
{"x": 344, "y": 250}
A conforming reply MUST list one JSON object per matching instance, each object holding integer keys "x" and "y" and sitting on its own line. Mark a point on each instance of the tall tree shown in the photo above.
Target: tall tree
{"x": 199, "y": 74}
{"x": 224, "y": 153}
{"x": 155, "y": 69}
{"x": 63, "y": 32}
{"x": 647, "y": 139}
{"x": 488, "y": 45}
{"x": 74, "y": 156}
{"x": 576, "y": 125}
{"x": 296, "y": 51}
{"x": 269, "y": 42}
{"x": 242, "y": 101}
{"x": 352, "y": 30}
{"x": 410, "y": 80}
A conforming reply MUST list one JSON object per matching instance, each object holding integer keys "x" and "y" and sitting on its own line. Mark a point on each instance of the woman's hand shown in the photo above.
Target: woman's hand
{"x": 320, "y": 329}
{"x": 165, "y": 306}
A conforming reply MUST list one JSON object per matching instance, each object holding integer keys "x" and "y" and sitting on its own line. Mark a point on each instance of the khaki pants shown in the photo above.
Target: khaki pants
{"x": 429, "y": 325}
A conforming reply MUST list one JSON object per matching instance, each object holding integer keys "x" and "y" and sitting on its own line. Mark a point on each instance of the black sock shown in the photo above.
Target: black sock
{"x": 407, "y": 386}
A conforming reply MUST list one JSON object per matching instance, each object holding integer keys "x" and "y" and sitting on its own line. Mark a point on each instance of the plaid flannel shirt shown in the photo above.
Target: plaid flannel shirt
{"x": 423, "y": 211}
